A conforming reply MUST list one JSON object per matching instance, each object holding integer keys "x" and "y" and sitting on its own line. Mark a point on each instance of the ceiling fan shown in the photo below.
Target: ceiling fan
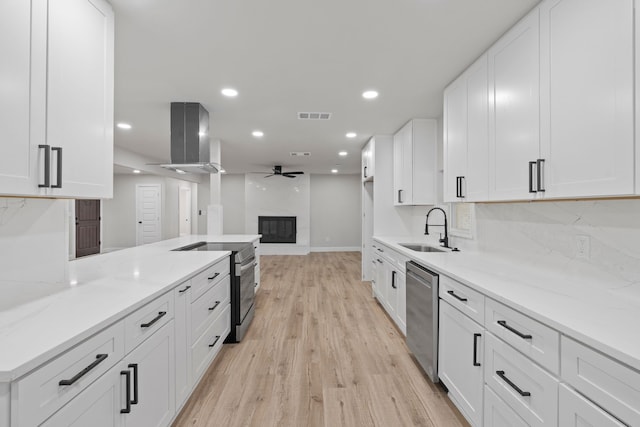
{"x": 277, "y": 170}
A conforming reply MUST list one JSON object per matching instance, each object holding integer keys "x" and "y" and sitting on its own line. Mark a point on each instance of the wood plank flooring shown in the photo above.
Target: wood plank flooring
{"x": 320, "y": 352}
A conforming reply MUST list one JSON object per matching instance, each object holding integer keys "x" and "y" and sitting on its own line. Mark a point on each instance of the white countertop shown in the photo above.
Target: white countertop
{"x": 38, "y": 320}
{"x": 578, "y": 303}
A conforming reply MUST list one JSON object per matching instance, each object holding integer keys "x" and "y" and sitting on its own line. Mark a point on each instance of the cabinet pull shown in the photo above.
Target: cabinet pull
{"x": 47, "y": 166}
{"x": 214, "y": 306}
{"x": 459, "y": 298}
{"x": 214, "y": 276}
{"x": 214, "y": 343}
{"x": 540, "y": 167}
{"x": 379, "y": 260}
{"x": 503, "y": 323}
{"x": 399, "y": 196}
{"x": 99, "y": 359}
{"x": 58, "y": 183}
{"x": 134, "y": 366}
{"x": 127, "y": 375}
{"x": 393, "y": 280}
{"x": 459, "y": 187}
{"x": 184, "y": 290}
{"x": 531, "y": 166}
{"x": 513, "y": 386}
{"x": 475, "y": 349}
{"x": 154, "y": 320}
{"x": 365, "y": 171}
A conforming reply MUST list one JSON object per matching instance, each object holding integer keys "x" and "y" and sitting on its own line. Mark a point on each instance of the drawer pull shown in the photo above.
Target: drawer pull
{"x": 393, "y": 280}
{"x": 503, "y": 323}
{"x": 214, "y": 306}
{"x": 475, "y": 349}
{"x": 214, "y": 276}
{"x": 127, "y": 375}
{"x": 160, "y": 315}
{"x": 459, "y": 298}
{"x": 214, "y": 343}
{"x": 181, "y": 291}
{"x": 134, "y": 366}
{"x": 99, "y": 359}
{"x": 513, "y": 386}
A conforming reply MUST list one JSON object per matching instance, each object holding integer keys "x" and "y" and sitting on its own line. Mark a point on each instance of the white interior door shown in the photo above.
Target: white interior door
{"x": 148, "y": 213}
{"x": 185, "y": 211}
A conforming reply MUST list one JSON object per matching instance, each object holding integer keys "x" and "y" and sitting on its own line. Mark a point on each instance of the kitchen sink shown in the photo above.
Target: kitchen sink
{"x": 421, "y": 248}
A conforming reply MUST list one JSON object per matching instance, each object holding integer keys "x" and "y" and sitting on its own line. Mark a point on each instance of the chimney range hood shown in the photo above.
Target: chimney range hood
{"x": 190, "y": 139}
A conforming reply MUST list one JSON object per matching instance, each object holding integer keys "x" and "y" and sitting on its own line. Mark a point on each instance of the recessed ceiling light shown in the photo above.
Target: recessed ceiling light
{"x": 370, "y": 94}
{"x": 135, "y": 171}
{"x": 334, "y": 170}
{"x": 229, "y": 92}
{"x": 257, "y": 133}
{"x": 223, "y": 171}
{"x": 124, "y": 125}
{"x": 351, "y": 135}
{"x": 342, "y": 153}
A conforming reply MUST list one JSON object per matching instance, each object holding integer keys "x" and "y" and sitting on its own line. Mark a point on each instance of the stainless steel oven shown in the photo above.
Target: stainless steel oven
{"x": 242, "y": 263}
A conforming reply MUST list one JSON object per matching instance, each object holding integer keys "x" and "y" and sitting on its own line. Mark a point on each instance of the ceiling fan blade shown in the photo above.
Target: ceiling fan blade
{"x": 288, "y": 176}
{"x": 295, "y": 173}
{"x": 269, "y": 176}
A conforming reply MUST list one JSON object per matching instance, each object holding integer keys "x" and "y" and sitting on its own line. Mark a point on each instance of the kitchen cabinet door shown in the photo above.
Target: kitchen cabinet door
{"x": 460, "y": 360}
{"x": 514, "y": 118}
{"x": 455, "y": 138}
{"x": 19, "y": 152}
{"x": 402, "y": 182}
{"x": 368, "y": 160}
{"x": 401, "y": 301}
{"x": 79, "y": 100}
{"x": 587, "y": 81}
{"x": 576, "y": 411}
{"x": 497, "y": 413}
{"x": 182, "y": 304}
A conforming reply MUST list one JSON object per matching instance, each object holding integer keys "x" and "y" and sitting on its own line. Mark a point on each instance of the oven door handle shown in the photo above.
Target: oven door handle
{"x": 249, "y": 263}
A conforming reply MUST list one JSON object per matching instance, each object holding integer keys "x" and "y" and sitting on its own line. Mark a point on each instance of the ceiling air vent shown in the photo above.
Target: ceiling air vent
{"x": 300, "y": 153}
{"x": 314, "y": 116}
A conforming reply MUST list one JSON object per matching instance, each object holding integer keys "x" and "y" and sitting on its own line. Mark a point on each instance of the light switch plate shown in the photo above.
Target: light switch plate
{"x": 583, "y": 247}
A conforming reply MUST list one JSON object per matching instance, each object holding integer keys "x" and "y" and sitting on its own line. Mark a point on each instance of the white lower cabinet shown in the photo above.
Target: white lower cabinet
{"x": 390, "y": 284}
{"x": 577, "y": 411}
{"x": 182, "y": 299}
{"x": 499, "y": 414}
{"x": 460, "y": 361}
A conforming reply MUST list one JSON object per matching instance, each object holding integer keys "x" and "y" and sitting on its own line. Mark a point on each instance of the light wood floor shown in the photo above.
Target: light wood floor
{"x": 320, "y": 352}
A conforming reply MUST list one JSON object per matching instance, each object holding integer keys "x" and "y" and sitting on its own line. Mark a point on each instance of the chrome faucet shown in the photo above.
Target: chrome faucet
{"x": 444, "y": 240}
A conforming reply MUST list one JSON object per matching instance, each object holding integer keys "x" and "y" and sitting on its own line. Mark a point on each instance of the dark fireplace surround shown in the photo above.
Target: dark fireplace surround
{"x": 277, "y": 229}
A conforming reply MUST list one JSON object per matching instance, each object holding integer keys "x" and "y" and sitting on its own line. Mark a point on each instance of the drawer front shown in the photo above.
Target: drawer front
{"x": 611, "y": 385}
{"x": 499, "y": 414}
{"x": 201, "y": 282}
{"x": 576, "y": 411}
{"x": 40, "y": 394}
{"x": 206, "y": 308}
{"x": 142, "y": 323}
{"x": 537, "y": 341}
{"x": 463, "y": 298}
{"x": 205, "y": 349}
{"x": 527, "y": 388}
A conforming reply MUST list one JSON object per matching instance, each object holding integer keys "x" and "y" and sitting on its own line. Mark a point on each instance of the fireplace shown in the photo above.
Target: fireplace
{"x": 277, "y": 229}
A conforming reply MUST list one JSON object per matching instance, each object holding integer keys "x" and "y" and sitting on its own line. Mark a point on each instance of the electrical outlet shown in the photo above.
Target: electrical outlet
{"x": 583, "y": 247}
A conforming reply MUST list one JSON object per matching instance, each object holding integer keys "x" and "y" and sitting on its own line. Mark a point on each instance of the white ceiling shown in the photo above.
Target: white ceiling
{"x": 286, "y": 56}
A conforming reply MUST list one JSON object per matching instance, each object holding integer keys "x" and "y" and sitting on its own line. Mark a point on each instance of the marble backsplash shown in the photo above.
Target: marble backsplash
{"x": 547, "y": 233}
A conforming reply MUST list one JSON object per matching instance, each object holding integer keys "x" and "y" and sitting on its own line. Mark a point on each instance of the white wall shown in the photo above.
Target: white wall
{"x": 119, "y": 213}
{"x": 233, "y": 201}
{"x": 335, "y": 212}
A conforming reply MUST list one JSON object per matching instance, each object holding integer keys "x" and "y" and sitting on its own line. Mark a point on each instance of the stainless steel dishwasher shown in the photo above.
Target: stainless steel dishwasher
{"x": 422, "y": 317}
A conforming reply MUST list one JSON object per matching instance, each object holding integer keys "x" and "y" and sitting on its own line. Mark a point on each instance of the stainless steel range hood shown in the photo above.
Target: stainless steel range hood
{"x": 190, "y": 139}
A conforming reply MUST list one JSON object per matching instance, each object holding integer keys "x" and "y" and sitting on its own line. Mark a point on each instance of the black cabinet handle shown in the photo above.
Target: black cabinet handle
{"x": 214, "y": 343}
{"x": 47, "y": 166}
{"x": 99, "y": 359}
{"x": 459, "y": 186}
{"x": 459, "y": 298}
{"x": 379, "y": 260}
{"x": 214, "y": 276}
{"x": 393, "y": 280}
{"x": 540, "y": 165}
{"x": 531, "y": 166}
{"x": 127, "y": 375}
{"x": 503, "y": 323}
{"x": 216, "y": 305}
{"x": 184, "y": 290}
{"x": 365, "y": 171}
{"x": 399, "y": 196}
{"x": 160, "y": 315}
{"x": 513, "y": 386}
{"x": 134, "y": 366}
{"x": 475, "y": 349}
{"x": 58, "y": 183}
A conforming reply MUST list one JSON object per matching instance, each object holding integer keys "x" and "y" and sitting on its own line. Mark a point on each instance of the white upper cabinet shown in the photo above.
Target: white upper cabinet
{"x": 415, "y": 163}
{"x": 514, "y": 124}
{"x": 57, "y": 117}
{"x": 466, "y": 135}
{"x": 586, "y": 64}
{"x": 368, "y": 160}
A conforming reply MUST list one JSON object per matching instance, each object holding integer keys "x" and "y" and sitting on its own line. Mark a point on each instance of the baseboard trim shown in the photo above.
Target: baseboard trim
{"x": 336, "y": 249}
